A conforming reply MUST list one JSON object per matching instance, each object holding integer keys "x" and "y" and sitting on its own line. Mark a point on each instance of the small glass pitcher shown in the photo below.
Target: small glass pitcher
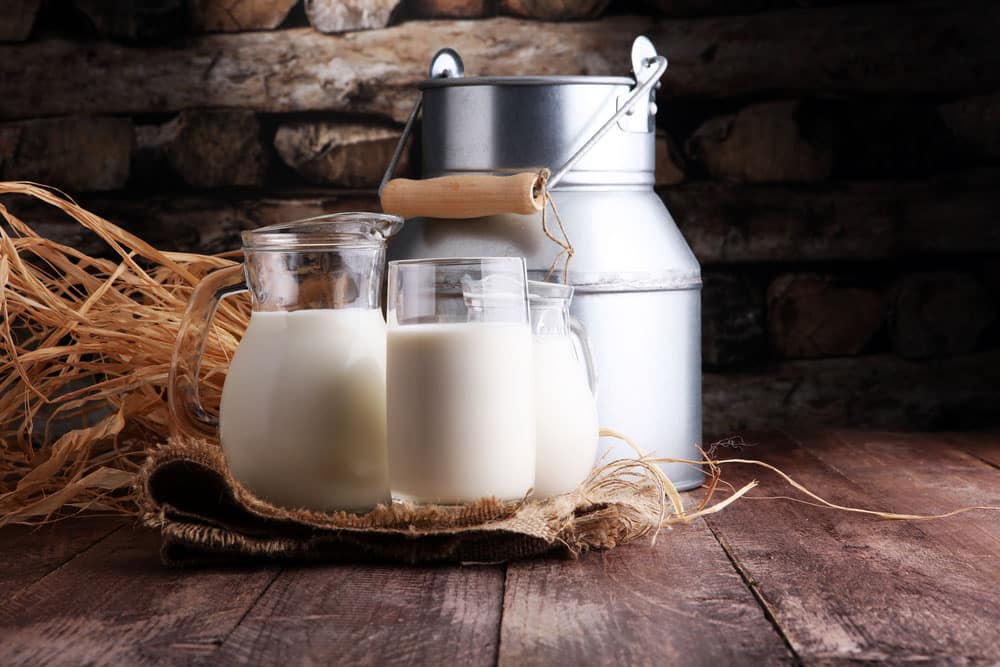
{"x": 461, "y": 419}
{"x": 302, "y": 419}
{"x": 567, "y": 431}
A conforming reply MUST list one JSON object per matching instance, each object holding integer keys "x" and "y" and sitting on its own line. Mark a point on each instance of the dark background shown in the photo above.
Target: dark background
{"x": 832, "y": 164}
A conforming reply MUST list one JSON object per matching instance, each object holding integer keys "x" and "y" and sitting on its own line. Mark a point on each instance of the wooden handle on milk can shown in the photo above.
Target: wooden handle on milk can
{"x": 470, "y": 196}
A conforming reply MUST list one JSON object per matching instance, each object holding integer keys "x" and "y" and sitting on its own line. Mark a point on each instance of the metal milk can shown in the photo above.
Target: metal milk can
{"x": 637, "y": 283}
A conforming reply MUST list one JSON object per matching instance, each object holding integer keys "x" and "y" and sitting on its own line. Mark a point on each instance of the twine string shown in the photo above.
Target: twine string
{"x": 565, "y": 245}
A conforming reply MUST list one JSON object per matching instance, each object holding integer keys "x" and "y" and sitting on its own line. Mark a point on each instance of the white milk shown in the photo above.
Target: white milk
{"x": 303, "y": 409}
{"x": 567, "y": 430}
{"x": 461, "y": 423}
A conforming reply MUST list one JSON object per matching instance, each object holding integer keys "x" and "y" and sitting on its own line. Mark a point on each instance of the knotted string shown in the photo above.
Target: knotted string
{"x": 566, "y": 247}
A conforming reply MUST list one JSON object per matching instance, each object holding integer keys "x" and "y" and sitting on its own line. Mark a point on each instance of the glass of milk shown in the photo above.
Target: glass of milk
{"x": 460, "y": 396}
{"x": 565, "y": 383}
{"x": 302, "y": 419}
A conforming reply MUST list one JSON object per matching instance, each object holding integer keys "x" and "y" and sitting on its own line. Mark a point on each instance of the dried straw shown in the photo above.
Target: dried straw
{"x": 85, "y": 348}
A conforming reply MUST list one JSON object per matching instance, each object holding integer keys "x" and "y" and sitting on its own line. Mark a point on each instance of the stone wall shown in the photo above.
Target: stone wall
{"x": 834, "y": 165}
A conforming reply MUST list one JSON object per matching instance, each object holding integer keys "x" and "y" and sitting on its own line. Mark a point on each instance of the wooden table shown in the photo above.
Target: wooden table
{"x": 765, "y": 581}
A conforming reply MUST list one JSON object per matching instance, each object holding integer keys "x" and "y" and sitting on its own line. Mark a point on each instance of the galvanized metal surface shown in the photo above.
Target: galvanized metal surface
{"x": 510, "y": 126}
{"x": 637, "y": 281}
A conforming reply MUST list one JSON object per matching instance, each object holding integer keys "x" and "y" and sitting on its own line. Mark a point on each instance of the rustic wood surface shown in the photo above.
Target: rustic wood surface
{"x": 738, "y": 223}
{"x": 872, "y": 391}
{"x": 841, "y": 586}
{"x": 646, "y": 606}
{"x": 375, "y": 71}
{"x": 373, "y": 615}
{"x": 813, "y": 316}
{"x": 767, "y": 142}
{"x": 767, "y": 581}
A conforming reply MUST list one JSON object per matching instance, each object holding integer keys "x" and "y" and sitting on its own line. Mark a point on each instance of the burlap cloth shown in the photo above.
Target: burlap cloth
{"x": 206, "y": 517}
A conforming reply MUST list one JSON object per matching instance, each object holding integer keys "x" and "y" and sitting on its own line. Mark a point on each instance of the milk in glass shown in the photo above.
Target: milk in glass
{"x": 303, "y": 414}
{"x": 566, "y": 422}
{"x": 461, "y": 420}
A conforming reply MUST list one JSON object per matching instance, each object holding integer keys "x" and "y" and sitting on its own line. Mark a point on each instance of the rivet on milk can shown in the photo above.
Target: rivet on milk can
{"x": 485, "y": 141}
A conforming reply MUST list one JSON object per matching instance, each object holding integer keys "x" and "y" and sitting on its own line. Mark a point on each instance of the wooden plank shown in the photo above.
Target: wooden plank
{"x": 28, "y": 553}
{"x": 924, "y": 474}
{"x": 370, "y": 71}
{"x": 729, "y": 223}
{"x": 784, "y": 141}
{"x": 939, "y": 314}
{"x": 637, "y": 605}
{"x": 984, "y": 446}
{"x": 376, "y": 71}
{"x": 373, "y": 615}
{"x": 860, "y": 49}
{"x": 79, "y": 153}
{"x": 17, "y": 19}
{"x": 115, "y": 604}
{"x": 873, "y": 391}
{"x": 848, "y": 587}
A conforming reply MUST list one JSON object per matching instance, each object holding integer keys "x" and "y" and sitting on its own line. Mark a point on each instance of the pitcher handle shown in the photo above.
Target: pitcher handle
{"x": 582, "y": 343}
{"x": 187, "y": 415}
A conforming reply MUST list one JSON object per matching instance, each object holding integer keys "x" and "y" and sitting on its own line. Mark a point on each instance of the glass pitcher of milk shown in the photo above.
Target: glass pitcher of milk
{"x": 461, "y": 419}
{"x": 303, "y": 414}
{"x": 565, "y": 382}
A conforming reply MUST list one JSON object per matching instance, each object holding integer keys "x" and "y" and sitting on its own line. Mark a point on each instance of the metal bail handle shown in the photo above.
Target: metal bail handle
{"x": 445, "y": 64}
{"x": 647, "y": 67}
{"x": 438, "y": 197}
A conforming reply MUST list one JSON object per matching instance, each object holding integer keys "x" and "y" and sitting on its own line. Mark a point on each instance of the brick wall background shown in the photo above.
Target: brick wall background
{"x": 834, "y": 165}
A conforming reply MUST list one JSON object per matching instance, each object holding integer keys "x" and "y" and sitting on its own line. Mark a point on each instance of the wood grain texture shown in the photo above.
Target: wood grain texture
{"x": 871, "y": 391}
{"x": 339, "y": 153}
{"x": 133, "y": 20}
{"x": 784, "y": 141}
{"x": 234, "y": 15}
{"x": 115, "y": 604}
{"x": 862, "y": 48}
{"x": 554, "y": 10}
{"x": 79, "y": 153}
{"x": 17, "y": 19}
{"x": 28, "y": 553}
{"x": 450, "y": 8}
{"x": 926, "y": 474}
{"x": 812, "y": 316}
{"x": 463, "y": 196}
{"x": 371, "y": 71}
{"x": 984, "y": 446}
{"x": 729, "y": 223}
{"x": 938, "y": 313}
{"x": 678, "y": 602}
{"x": 202, "y": 149}
{"x": 376, "y": 71}
{"x": 975, "y": 123}
{"x": 733, "y": 323}
{"x": 373, "y": 615}
{"x": 846, "y": 587}
{"x": 334, "y": 16}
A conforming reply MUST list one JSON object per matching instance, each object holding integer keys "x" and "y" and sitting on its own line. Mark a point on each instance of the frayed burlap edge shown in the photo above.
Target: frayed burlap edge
{"x": 204, "y": 515}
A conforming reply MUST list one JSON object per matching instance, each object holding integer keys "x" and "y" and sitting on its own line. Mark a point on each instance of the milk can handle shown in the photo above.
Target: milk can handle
{"x": 488, "y": 195}
{"x": 582, "y": 343}
{"x": 187, "y": 415}
{"x": 469, "y": 196}
{"x": 628, "y": 107}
